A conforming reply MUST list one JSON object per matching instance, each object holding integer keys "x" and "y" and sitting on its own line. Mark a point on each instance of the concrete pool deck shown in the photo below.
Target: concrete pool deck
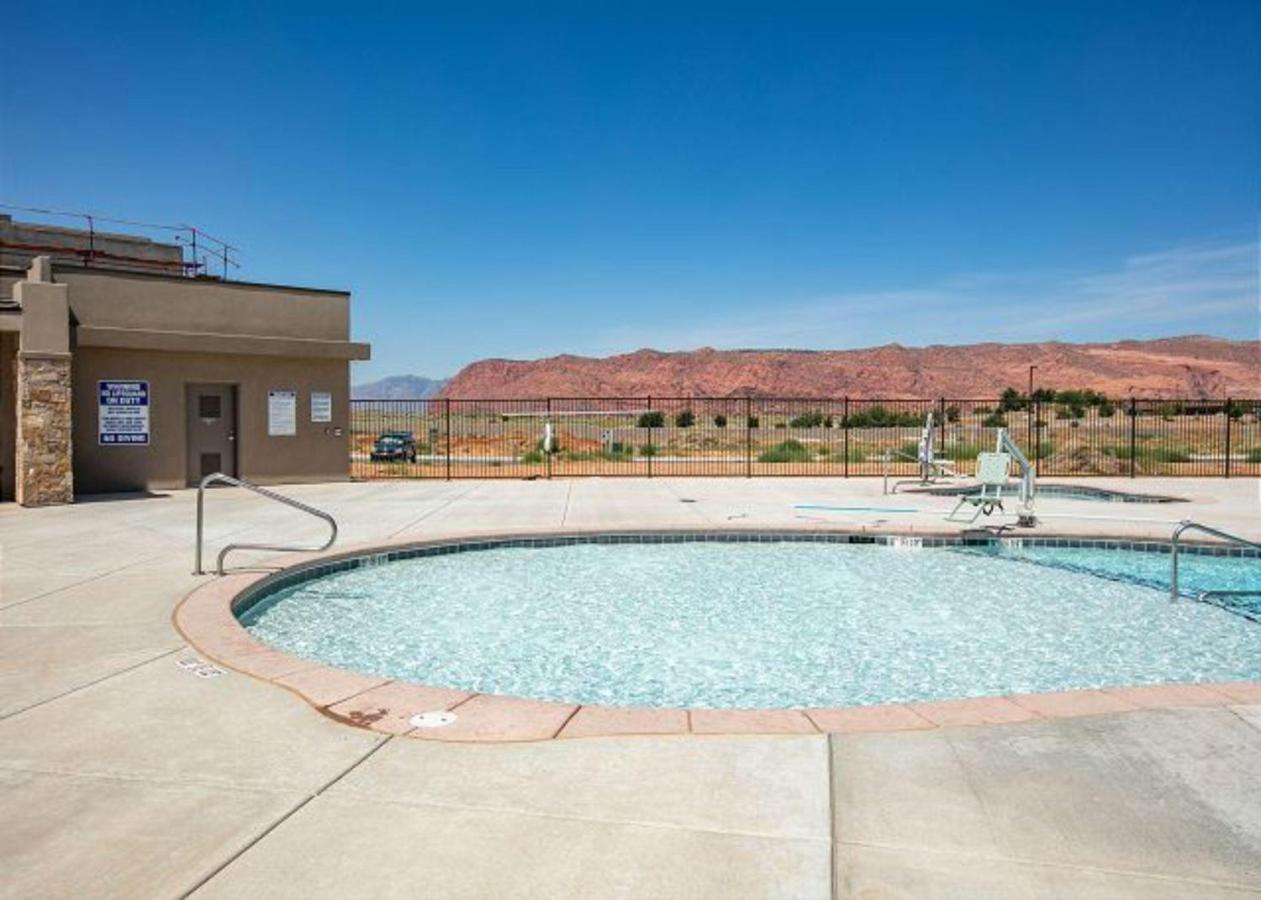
{"x": 125, "y": 774}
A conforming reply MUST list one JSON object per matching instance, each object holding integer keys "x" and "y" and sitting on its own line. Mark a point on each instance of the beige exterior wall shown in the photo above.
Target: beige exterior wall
{"x": 155, "y": 303}
{"x": 318, "y": 452}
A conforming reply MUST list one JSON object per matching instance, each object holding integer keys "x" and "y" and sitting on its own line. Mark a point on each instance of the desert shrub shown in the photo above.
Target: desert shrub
{"x": 534, "y": 457}
{"x": 1107, "y": 409}
{"x": 960, "y": 450}
{"x": 995, "y": 420}
{"x": 685, "y": 419}
{"x": 1080, "y": 397}
{"x": 785, "y": 451}
{"x": 752, "y": 423}
{"x": 812, "y": 419}
{"x": 952, "y": 413}
{"x": 1237, "y": 408}
{"x": 648, "y": 450}
{"x": 1172, "y": 454}
{"x": 823, "y": 450}
{"x": 652, "y": 419}
{"x": 720, "y": 421}
{"x": 1163, "y": 454}
{"x": 879, "y": 417}
{"x": 1254, "y": 455}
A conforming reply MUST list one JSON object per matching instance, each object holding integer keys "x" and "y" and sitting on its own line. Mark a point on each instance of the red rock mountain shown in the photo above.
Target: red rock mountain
{"x": 1190, "y": 366}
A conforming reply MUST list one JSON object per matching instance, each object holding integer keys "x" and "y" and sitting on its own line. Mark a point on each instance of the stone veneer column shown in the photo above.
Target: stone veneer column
{"x": 43, "y": 472}
{"x": 43, "y": 468}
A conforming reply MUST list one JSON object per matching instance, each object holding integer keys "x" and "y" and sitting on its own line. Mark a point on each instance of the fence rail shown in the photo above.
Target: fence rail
{"x": 748, "y": 436}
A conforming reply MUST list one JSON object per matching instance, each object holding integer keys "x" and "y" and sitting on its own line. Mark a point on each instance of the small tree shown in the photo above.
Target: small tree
{"x": 1011, "y": 400}
{"x": 685, "y": 419}
{"x": 653, "y": 419}
{"x": 753, "y": 421}
{"x": 720, "y": 421}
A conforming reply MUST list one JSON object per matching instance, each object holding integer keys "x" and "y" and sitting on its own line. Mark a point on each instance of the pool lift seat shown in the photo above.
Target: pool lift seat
{"x": 991, "y": 473}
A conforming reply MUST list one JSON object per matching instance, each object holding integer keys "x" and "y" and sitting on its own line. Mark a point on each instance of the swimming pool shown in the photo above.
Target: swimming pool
{"x": 767, "y": 621}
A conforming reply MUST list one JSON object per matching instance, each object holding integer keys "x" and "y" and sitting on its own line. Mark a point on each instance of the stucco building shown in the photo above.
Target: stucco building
{"x": 118, "y": 372}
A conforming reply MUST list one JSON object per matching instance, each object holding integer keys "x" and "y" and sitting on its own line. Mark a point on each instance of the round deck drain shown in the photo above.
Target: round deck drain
{"x": 436, "y": 719}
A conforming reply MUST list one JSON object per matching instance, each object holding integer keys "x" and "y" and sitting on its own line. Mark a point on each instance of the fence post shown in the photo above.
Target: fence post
{"x": 448, "y": 425}
{"x": 1035, "y": 410}
{"x": 1133, "y": 435}
{"x": 845, "y": 425}
{"x": 748, "y": 438}
{"x": 941, "y": 422}
{"x": 1229, "y": 407}
{"x": 650, "y": 443}
{"x": 547, "y": 451}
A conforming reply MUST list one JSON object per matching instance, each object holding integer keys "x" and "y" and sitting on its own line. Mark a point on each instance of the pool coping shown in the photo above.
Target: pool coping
{"x": 206, "y": 618}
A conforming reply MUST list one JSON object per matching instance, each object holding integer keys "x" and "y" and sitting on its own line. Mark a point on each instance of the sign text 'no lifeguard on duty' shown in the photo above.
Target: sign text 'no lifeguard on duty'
{"x": 124, "y": 413}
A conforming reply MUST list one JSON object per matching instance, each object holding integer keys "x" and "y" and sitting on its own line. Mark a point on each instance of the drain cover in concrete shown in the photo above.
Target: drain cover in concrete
{"x": 437, "y": 719}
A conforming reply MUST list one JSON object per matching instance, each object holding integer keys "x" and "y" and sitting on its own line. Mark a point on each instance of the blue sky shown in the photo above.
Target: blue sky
{"x": 492, "y": 183}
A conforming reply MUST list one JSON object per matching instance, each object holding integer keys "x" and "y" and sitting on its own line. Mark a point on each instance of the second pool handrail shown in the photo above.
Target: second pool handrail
{"x": 1189, "y": 525}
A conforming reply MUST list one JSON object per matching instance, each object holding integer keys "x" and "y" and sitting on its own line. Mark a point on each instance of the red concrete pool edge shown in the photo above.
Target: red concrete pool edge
{"x": 205, "y": 619}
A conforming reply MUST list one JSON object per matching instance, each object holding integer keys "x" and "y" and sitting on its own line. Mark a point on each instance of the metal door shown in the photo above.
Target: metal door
{"x": 211, "y": 411}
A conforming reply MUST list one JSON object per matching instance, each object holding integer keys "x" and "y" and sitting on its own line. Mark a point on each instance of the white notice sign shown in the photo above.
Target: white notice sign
{"x": 321, "y": 406}
{"x": 282, "y": 413}
{"x": 123, "y": 418}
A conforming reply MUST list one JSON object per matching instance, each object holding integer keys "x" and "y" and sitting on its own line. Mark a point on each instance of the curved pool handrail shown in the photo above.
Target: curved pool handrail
{"x": 1189, "y": 525}
{"x": 219, "y": 477}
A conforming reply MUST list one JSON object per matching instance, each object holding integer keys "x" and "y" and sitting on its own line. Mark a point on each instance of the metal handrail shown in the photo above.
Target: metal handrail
{"x": 1188, "y": 525}
{"x": 271, "y": 495}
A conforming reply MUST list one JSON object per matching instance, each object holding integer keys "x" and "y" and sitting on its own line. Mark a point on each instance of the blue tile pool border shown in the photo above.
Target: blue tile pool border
{"x": 310, "y": 571}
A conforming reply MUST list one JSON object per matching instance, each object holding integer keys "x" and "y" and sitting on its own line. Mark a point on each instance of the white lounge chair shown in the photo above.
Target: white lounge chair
{"x": 991, "y": 473}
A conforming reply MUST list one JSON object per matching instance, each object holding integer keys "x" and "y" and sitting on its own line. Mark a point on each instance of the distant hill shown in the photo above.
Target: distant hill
{"x": 398, "y": 387}
{"x": 1192, "y": 366}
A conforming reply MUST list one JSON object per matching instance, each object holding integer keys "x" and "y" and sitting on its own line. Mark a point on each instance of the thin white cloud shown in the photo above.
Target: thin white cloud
{"x": 1180, "y": 290}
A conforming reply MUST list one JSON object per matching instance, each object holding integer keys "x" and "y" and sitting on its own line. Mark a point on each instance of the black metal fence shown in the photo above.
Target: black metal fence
{"x": 747, "y": 436}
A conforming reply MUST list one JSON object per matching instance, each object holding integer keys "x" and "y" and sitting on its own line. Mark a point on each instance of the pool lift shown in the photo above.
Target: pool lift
{"x": 931, "y": 467}
{"x": 992, "y": 472}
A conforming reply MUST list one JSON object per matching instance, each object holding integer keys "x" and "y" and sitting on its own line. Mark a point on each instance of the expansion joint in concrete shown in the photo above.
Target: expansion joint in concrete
{"x": 287, "y": 815}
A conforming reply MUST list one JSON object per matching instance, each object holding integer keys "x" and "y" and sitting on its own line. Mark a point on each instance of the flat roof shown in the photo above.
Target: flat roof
{"x": 59, "y": 268}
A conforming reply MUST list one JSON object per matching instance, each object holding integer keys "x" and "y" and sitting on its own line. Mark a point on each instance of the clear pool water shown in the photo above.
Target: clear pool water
{"x": 781, "y": 624}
